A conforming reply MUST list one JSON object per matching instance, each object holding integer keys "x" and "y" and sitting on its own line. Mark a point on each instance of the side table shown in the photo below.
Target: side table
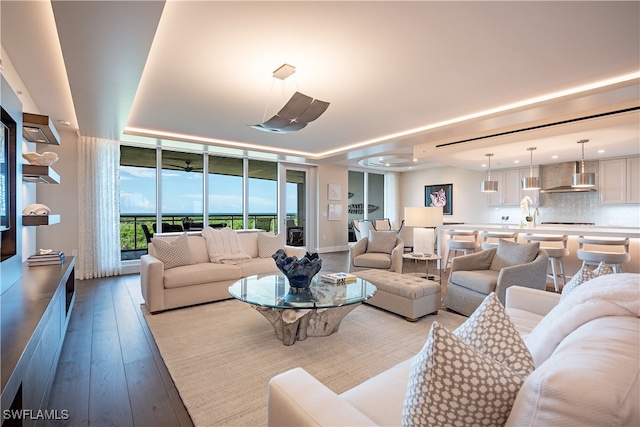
{"x": 426, "y": 258}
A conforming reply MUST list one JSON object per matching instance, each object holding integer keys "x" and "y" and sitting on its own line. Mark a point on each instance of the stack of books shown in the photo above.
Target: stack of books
{"x": 48, "y": 258}
{"x": 339, "y": 277}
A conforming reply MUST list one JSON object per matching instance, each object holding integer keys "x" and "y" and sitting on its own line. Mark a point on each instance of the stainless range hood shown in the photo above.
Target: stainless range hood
{"x": 39, "y": 128}
{"x": 557, "y": 178}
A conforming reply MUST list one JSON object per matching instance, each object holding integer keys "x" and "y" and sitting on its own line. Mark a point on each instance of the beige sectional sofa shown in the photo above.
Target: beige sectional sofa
{"x": 585, "y": 355}
{"x": 205, "y": 281}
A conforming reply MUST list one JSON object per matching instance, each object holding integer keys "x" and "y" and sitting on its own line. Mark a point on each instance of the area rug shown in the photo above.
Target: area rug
{"x": 222, "y": 355}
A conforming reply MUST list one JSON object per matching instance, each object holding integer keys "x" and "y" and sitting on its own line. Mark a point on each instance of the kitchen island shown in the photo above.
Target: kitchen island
{"x": 571, "y": 263}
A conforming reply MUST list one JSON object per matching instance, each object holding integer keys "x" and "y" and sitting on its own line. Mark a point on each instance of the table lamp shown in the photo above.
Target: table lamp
{"x": 424, "y": 220}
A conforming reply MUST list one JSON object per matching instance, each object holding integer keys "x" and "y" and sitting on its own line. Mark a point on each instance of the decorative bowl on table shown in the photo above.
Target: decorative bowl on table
{"x": 299, "y": 272}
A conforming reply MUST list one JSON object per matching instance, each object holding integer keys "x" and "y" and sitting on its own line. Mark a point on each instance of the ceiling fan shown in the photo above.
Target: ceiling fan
{"x": 186, "y": 167}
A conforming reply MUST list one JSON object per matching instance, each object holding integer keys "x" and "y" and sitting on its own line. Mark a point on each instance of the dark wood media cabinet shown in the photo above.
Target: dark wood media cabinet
{"x": 34, "y": 315}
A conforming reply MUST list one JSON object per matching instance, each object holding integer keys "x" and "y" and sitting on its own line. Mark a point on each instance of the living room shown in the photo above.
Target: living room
{"x": 603, "y": 75}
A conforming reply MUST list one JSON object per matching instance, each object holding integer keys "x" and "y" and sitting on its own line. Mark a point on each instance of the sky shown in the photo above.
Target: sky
{"x": 182, "y": 193}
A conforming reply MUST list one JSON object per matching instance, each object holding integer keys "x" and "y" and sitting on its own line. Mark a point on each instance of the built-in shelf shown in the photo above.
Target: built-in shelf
{"x": 38, "y": 128}
{"x": 40, "y": 174}
{"x": 31, "y": 220}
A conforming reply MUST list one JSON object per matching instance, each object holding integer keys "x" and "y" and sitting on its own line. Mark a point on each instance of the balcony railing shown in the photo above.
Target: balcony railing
{"x": 133, "y": 242}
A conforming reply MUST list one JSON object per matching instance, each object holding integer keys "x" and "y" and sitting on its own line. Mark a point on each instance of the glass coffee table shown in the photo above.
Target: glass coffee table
{"x": 296, "y": 315}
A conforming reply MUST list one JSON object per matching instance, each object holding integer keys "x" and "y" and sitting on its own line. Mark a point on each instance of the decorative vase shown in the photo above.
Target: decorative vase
{"x": 530, "y": 224}
{"x": 299, "y": 272}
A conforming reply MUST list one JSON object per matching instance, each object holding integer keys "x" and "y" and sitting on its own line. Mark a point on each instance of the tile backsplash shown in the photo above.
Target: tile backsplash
{"x": 583, "y": 207}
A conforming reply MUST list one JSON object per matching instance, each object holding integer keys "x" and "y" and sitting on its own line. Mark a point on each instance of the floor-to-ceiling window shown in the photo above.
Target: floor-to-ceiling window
{"x": 182, "y": 191}
{"x": 137, "y": 199}
{"x": 262, "y": 191}
{"x": 366, "y": 197}
{"x": 225, "y": 193}
{"x": 238, "y": 193}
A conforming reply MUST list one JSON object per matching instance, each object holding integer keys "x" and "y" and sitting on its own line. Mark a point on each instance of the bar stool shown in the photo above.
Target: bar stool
{"x": 495, "y": 235}
{"x": 556, "y": 253}
{"x": 465, "y": 246}
{"x": 594, "y": 257}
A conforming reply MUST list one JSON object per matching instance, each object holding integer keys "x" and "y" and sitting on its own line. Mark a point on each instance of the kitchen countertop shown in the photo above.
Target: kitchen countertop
{"x": 571, "y": 230}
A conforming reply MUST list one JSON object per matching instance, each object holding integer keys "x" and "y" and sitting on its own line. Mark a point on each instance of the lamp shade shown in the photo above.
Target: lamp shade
{"x": 531, "y": 183}
{"x": 489, "y": 186}
{"x": 583, "y": 180}
{"x": 430, "y": 216}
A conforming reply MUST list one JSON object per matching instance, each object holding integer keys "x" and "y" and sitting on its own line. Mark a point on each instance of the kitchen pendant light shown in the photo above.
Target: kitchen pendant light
{"x": 531, "y": 182}
{"x": 583, "y": 179}
{"x": 489, "y": 186}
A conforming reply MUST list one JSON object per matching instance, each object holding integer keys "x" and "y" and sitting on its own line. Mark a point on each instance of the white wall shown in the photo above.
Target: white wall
{"x": 332, "y": 235}
{"x": 61, "y": 198}
{"x": 469, "y": 204}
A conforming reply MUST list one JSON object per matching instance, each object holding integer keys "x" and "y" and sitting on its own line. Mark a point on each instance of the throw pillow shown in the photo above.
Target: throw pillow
{"x": 173, "y": 253}
{"x": 381, "y": 241}
{"x": 602, "y": 269}
{"x": 224, "y": 246}
{"x": 584, "y": 275}
{"x": 490, "y": 331}
{"x": 451, "y": 383}
{"x": 269, "y": 243}
{"x": 510, "y": 253}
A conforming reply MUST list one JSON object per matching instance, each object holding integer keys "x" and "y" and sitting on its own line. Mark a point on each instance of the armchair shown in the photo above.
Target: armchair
{"x": 474, "y": 276}
{"x": 382, "y": 249}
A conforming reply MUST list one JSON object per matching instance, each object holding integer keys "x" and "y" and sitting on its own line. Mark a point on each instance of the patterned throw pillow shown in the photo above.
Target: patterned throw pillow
{"x": 175, "y": 253}
{"x": 452, "y": 383}
{"x": 490, "y": 331}
{"x": 269, "y": 243}
{"x": 583, "y": 275}
{"x": 510, "y": 253}
{"x": 602, "y": 269}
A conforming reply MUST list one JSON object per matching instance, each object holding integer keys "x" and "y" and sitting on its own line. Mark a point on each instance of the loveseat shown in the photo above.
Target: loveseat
{"x": 585, "y": 353}
{"x": 202, "y": 280}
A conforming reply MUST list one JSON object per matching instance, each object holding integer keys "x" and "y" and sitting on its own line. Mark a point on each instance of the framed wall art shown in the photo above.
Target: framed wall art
{"x": 439, "y": 195}
{"x": 334, "y": 192}
{"x": 335, "y": 212}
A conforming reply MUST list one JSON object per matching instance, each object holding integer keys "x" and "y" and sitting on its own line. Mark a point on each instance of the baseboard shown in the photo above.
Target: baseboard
{"x": 332, "y": 249}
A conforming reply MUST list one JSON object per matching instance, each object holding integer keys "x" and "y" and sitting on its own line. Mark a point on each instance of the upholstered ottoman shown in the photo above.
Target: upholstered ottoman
{"x": 403, "y": 294}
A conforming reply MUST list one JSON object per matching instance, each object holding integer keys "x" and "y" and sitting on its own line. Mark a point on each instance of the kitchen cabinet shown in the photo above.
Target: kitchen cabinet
{"x": 509, "y": 188}
{"x": 633, "y": 180}
{"x": 619, "y": 181}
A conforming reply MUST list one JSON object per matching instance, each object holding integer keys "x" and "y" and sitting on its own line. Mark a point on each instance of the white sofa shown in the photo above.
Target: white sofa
{"x": 590, "y": 378}
{"x": 203, "y": 281}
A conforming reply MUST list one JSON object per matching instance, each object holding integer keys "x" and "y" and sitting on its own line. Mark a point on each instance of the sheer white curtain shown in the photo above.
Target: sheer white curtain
{"x": 98, "y": 208}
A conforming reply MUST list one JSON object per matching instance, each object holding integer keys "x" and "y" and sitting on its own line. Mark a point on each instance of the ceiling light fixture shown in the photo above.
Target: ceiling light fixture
{"x": 489, "y": 186}
{"x": 583, "y": 179}
{"x": 531, "y": 182}
{"x": 296, "y": 113}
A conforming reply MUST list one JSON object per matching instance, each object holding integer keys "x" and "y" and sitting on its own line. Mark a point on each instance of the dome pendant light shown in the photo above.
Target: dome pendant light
{"x": 583, "y": 179}
{"x": 489, "y": 186}
{"x": 531, "y": 182}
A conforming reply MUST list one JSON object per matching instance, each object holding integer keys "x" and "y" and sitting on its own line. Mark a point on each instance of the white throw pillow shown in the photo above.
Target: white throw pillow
{"x": 173, "y": 253}
{"x": 490, "y": 331}
{"x": 452, "y": 383}
{"x": 224, "y": 246}
{"x": 269, "y": 243}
